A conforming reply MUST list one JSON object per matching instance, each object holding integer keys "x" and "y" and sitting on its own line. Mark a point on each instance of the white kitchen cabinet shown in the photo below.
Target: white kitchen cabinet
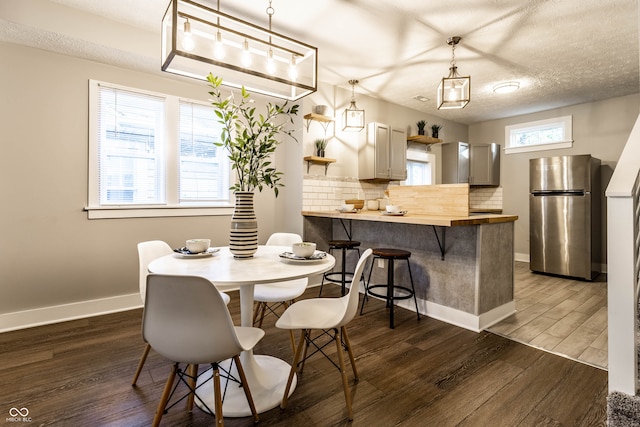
{"x": 383, "y": 154}
{"x": 485, "y": 165}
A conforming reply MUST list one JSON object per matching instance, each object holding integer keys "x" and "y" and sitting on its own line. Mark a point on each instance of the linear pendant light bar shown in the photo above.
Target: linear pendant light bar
{"x": 222, "y": 44}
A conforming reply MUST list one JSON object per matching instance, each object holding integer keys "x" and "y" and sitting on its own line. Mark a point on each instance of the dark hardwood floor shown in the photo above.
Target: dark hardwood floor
{"x": 425, "y": 373}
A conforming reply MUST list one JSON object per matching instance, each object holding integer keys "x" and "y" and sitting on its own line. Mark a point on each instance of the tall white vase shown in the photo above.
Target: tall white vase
{"x": 243, "y": 237}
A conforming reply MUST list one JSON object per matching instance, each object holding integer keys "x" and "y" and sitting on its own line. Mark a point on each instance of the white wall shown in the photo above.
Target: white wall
{"x": 599, "y": 128}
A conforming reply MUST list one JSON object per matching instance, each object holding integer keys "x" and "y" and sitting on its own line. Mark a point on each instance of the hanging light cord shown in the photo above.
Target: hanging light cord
{"x": 270, "y": 12}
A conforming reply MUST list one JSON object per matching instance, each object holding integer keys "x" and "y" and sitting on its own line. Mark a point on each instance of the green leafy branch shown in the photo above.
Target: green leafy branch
{"x": 249, "y": 138}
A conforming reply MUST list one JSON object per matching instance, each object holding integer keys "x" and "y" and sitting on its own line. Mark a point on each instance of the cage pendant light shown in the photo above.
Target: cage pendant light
{"x": 454, "y": 90}
{"x": 353, "y": 118}
{"x": 198, "y": 40}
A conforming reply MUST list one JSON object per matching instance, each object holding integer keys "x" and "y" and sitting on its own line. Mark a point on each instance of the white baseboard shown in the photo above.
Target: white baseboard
{"x": 65, "y": 312}
{"x": 521, "y": 257}
{"x": 459, "y": 318}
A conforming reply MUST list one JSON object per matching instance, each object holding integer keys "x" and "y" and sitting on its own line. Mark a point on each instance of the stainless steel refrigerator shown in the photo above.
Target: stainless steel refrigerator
{"x": 564, "y": 215}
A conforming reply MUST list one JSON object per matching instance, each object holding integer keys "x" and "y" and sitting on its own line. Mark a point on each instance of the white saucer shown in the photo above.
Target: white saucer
{"x": 293, "y": 259}
{"x": 183, "y": 253}
{"x": 401, "y": 213}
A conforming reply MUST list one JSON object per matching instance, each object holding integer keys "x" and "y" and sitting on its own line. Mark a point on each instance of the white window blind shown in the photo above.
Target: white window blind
{"x": 130, "y": 148}
{"x": 203, "y": 176}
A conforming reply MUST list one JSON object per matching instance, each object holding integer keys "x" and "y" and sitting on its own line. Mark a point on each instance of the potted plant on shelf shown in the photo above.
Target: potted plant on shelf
{"x": 251, "y": 140}
{"x": 421, "y": 124}
{"x": 320, "y": 144}
{"x": 435, "y": 129}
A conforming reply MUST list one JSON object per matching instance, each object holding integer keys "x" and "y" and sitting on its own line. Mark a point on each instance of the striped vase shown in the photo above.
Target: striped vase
{"x": 243, "y": 237}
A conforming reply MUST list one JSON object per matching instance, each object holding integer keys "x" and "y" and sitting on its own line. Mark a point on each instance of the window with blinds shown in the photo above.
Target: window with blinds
{"x": 131, "y": 147}
{"x": 150, "y": 150}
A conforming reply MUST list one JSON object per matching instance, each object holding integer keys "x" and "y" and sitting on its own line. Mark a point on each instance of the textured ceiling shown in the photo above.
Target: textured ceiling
{"x": 563, "y": 52}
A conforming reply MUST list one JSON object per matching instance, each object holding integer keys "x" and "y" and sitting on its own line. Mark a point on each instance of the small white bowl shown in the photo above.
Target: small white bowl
{"x": 196, "y": 246}
{"x": 393, "y": 208}
{"x": 347, "y": 207}
{"x": 303, "y": 249}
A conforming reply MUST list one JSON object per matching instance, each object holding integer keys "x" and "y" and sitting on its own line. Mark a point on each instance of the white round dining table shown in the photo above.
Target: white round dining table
{"x": 266, "y": 375}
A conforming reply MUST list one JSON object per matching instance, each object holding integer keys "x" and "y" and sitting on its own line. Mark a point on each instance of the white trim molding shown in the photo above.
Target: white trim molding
{"x": 65, "y": 312}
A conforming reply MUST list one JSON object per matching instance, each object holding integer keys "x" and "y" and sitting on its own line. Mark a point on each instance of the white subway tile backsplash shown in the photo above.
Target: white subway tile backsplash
{"x": 322, "y": 193}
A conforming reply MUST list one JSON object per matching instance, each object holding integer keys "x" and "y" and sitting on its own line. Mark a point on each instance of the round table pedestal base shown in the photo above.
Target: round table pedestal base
{"x": 267, "y": 377}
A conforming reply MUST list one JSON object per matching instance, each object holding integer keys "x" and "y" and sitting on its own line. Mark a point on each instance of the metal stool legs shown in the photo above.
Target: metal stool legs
{"x": 390, "y": 289}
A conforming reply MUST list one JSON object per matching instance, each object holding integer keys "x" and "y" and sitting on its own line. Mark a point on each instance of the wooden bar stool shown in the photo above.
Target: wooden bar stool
{"x": 343, "y": 276}
{"x": 393, "y": 291}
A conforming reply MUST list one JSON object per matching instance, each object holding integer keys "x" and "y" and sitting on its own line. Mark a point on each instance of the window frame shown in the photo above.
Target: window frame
{"x": 566, "y": 122}
{"x": 421, "y": 157}
{"x": 173, "y": 207}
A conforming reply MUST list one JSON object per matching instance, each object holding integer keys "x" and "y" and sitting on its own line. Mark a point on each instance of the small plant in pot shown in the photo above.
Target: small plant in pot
{"x": 320, "y": 145}
{"x": 435, "y": 130}
{"x": 421, "y": 124}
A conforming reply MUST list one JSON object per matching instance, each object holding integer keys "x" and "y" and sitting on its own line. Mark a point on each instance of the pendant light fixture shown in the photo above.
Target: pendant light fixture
{"x": 198, "y": 40}
{"x": 353, "y": 118}
{"x": 454, "y": 91}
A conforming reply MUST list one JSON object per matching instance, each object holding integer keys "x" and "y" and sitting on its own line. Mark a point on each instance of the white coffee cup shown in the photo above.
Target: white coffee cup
{"x": 393, "y": 208}
{"x": 196, "y": 246}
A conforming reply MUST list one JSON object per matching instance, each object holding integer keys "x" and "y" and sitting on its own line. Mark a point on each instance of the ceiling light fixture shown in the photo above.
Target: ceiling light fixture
{"x": 353, "y": 118}
{"x": 197, "y": 40}
{"x": 454, "y": 91}
{"x": 506, "y": 87}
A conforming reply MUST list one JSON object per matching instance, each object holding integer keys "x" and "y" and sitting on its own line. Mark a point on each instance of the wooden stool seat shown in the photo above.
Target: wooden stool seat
{"x": 343, "y": 276}
{"x": 391, "y": 253}
{"x": 343, "y": 244}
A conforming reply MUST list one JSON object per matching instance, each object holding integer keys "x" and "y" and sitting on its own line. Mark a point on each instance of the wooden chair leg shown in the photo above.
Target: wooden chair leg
{"x": 306, "y": 347}
{"x": 192, "y": 371}
{"x": 352, "y": 359}
{"x": 263, "y": 308}
{"x": 256, "y": 310}
{"x": 145, "y": 353}
{"x": 343, "y": 373}
{"x": 165, "y": 396}
{"x": 296, "y": 358}
{"x": 217, "y": 396}
{"x": 245, "y": 387}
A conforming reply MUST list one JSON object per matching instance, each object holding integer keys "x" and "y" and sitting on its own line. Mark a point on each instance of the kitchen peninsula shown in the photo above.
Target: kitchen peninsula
{"x": 462, "y": 264}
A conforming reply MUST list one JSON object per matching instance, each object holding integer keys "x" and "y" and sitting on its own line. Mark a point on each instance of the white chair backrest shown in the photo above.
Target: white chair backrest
{"x": 351, "y": 298}
{"x": 147, "y": 252}
{"x": 283, "y": 239}
{"x": 186, "y": 320}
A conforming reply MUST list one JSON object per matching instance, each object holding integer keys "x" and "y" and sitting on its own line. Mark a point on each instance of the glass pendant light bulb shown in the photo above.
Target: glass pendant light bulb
{"x": 293, "y": 68}
{"x": 187, "y": 37}
{"x": 218, "y": 50}
{"x": 271, "y": 65}
{"x": 246, "y": 55}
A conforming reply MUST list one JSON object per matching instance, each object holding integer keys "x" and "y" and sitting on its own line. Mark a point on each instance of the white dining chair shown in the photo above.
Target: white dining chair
{"x": 147, "y": 252}
{"x": 330, "y": 316}
{"x": 186, "y": 320}
{"x": 269, "y": 298}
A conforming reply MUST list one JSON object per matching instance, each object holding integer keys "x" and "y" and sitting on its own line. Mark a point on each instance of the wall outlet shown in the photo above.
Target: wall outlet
{"x": 380, "y": 263}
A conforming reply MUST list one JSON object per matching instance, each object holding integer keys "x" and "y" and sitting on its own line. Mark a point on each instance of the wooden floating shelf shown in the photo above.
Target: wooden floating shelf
{"x": 423, "y": 139}
{"x": 320, "y": 160}
{"x": 318, "y": 117}
{"x": 324, "y": 121}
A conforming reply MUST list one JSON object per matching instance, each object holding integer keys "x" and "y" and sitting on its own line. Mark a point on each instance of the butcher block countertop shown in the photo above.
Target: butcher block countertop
{"x": 420, "y": 219}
